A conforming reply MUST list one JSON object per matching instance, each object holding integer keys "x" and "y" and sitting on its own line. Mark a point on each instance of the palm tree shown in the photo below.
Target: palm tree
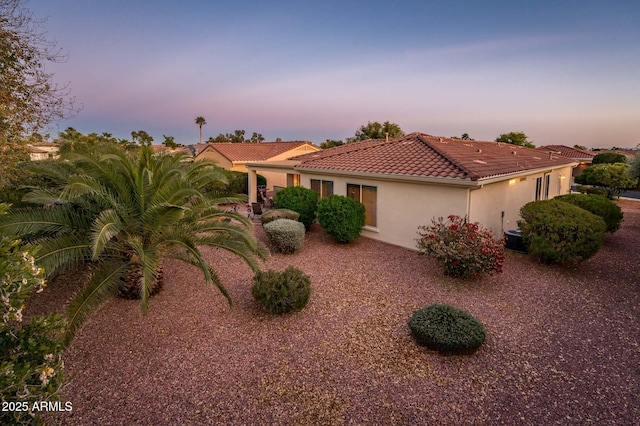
{"x": 200, "y": 121}
{"x": 121, "y": 214}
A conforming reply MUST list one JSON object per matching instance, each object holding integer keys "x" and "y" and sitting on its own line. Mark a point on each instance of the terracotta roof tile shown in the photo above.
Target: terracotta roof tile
{"x": 568, "y": 152}
{"x": 422, "y": 155}
{"x": 250, "y": 151}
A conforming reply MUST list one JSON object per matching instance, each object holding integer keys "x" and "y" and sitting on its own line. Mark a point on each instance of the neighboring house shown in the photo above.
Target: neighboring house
{"x": 235, "y": 156}
{"x": 405, "y": 182}
{"x": 585, "y": 158}
{"x": 163, "y": 149}
{"x": 43, "y": 150}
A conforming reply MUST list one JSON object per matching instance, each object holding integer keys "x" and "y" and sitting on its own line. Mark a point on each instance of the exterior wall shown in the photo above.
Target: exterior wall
{"x": 221, "y": 161}
{"x": 488, "y": 202}
{"x": 401, "y": 206}
{"x": 274, "y": 179}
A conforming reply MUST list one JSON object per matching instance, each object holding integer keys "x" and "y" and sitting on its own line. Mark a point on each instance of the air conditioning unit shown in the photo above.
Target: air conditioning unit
{"x": 513, "y": 241}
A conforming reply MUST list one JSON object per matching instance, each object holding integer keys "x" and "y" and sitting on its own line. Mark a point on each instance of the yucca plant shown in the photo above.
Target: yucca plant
{"x": 120, "y": 214}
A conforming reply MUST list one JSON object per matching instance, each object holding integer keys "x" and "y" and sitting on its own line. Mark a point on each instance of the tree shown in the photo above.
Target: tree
{"x": 634, "y": 169}
{"x": 257, "y": 137}
{"x": 200, "y": 121}
{"x": 376, "y": 130}
{"x": 329, "y": 143}
{"x": 237, "y": 136}
{"x": 137, "y": 209}
{"x": 609, "y": 158}
{"x": 141, "y": 138}
{"x": 464, "y": 137}
{"x": 582, "y": 147}
{"x": 614, "y": 178}
{"x": 29, "y": 98}
{"x": 516, "y": 138}
{"x": 169, "y": 141}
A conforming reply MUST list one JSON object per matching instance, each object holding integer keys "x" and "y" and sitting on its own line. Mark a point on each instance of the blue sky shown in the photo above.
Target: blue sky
{"x": 564, "y": 72}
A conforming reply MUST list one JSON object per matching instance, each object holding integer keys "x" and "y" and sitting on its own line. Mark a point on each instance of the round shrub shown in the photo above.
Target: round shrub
{"x": 609, "y": 158}
{"x": 555, "y": 231}
{"x": 286, "y": 235}
{"x": 601, "y": 206}
{"x": 298, "y": 199}
{"x": 282, "y": 292}
{"x": 341, "y": 217}
{"x": 447, "y": 329}
{"x": 275, "y": 214}
{"x": 585, "y": 189}
{"x": 463, "y": 249}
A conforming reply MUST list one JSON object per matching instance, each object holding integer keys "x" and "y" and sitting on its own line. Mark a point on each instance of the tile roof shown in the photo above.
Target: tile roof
{"x": 239, "y": 152}
{"x": 568, "y": 152}
{"x": 422, "y": 155}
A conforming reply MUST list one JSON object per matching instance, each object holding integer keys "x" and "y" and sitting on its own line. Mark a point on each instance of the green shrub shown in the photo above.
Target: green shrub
{"x": 286, "y": 235}
{"x": 555, "y": 231}
{"x": 464, "y": 249}
{"x": 298, "y": 199}
{"x": 341, "y": 217}
{"x": 282, "y": 292}
{"x": 31, "y": 351}
{"x": 447, "y": 329}
{"x": 275, "y": 214}
{"x": 585, "y": 189}
{"x": 609, "y": 158}
{"x": 601, "y": 206}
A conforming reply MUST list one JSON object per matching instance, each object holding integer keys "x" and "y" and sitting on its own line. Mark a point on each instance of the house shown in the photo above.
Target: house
{"x": 235, "y": 156}
{"x": 405, "y": 182}
{"x": 585, "y": 158}
{"x": 43, "y": 150}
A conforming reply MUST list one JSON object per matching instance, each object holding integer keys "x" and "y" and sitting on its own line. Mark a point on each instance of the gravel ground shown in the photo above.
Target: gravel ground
{"x": 562, "y": 344}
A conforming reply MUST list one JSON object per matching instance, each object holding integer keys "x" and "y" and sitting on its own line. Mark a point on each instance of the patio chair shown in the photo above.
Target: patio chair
{"x": 256, "y": 209}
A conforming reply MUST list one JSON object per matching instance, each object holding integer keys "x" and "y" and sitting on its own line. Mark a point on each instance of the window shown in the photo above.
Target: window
{"x": 543, "y": 187}
{"x": 547, "y": 182}
{"x": 368, "y": 196}
{"x": 323, "y": 188}
{"x": 538, "y": 189}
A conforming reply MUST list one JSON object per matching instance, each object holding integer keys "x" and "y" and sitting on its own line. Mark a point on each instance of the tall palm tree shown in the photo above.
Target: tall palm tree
{"x": 122, "y": 213}
{"x": 200, "y": 121}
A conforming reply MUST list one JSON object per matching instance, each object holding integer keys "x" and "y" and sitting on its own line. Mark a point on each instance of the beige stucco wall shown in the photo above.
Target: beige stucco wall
{"x": 402, "y": 207}
{"x": 303, "y": 149}
{"x": 488, "y": 202}
{"x": 220, "y": 160}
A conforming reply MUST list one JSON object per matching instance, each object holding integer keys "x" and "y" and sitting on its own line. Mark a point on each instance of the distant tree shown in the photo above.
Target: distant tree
{"x": 516, "y": 138}
{"x": 634, "y": 168}
{"x": 329, "y": 143}
{"x": 376, "y": 130}
{"x": 278, "y": 139}
{"x": 614, "y": 178}
{"x": 72, "y": 140}
{"x": 464, "y": 137}
{"x": 256, "y": 137}
{"x": 141, "y": 138}
{"x": 609, "y": 158}
{"x": 200, "y": 121}
{"x": 237, "y": 136}
{"x": 170, "y": 142}
{"x": 582, "y": 147}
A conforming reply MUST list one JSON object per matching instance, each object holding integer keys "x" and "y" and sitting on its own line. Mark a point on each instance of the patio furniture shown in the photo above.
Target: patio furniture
{"x": 256, "y": 209}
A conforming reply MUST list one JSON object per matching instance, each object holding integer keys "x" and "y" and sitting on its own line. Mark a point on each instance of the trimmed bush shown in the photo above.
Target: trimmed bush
{"x": 609, "y": 158}
{"x": 601, "y": 206}
{"x": 341, "y": 217}
{"x": 447, "y": 329}
{"x": 463, "y": 249}
{"x": 286, "y": 235}
{"x": 585, "y": 189}
{"x": 555, "y": 231}
{"x": 282, "y": 292}
{"x": 298, "y": 199}
{"x": 275, "y": 214}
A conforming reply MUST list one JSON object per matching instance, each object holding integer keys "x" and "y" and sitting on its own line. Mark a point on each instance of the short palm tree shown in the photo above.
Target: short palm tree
{"x": 121, "y": 213}
{"x": 200, "y": 121}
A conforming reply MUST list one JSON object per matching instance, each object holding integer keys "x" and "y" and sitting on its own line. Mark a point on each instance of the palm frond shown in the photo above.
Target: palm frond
{"x": 106, "y": 226}
{"x": 103, "y": 283}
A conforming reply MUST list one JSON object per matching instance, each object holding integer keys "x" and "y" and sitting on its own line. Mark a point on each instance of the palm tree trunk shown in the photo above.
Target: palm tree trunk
{"x": 131, "y": 283}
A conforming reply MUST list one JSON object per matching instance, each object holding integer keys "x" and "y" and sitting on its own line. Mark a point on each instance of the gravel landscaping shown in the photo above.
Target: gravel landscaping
{"x": 562, "y": 343}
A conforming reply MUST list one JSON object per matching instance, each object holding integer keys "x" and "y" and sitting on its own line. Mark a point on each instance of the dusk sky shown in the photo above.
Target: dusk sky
{"x": 564, "y": 72}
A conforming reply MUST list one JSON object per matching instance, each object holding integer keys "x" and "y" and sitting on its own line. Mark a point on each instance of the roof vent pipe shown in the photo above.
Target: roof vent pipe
{"x": 386, "y": 136}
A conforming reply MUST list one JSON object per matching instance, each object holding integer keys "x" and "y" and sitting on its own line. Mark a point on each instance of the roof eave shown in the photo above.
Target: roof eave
{"x": 449, "y": 181}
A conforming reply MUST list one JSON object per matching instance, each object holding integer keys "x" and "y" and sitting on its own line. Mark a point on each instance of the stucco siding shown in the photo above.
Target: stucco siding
{"x": 218, "y": 158}
{"x": 401, "y": 207}
{"x": 303, "y": 149}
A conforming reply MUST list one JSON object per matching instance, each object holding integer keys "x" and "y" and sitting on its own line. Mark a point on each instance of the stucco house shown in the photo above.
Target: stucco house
{"x": 405, "y": 182}
{"x": 43, "y": 150}
{"x": 235, "y": 156}
{"x": 584, "y": 158}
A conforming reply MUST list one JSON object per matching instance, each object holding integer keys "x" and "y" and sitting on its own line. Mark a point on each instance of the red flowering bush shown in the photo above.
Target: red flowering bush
{"x": 464, "y": 249}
